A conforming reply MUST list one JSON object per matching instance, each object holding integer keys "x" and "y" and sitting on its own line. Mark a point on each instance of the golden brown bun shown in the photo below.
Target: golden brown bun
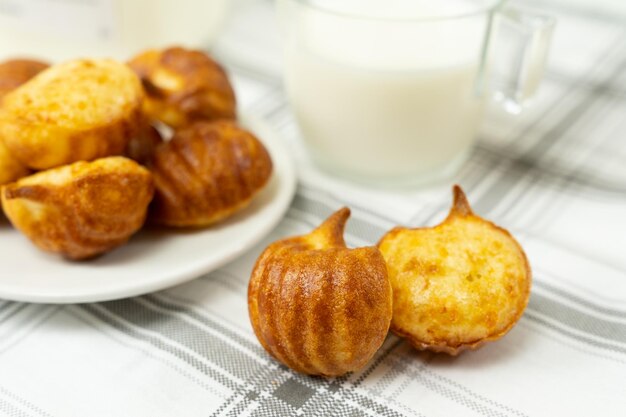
{"x": 456, "y": 285}
{"x": 317, "y": 306}
{"x": 78, "y": 110}
{"x": 16, "y": 72}
{"x": 183, "y": 86}
{"x": 80, "y": 210}
{"x": 10, "y": 168}
{"x": 141, "y": 148}
{"x": 207, "y": 172}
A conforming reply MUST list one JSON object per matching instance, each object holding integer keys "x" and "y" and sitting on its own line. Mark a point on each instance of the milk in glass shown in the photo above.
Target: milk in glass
{"x": 395, "y": 96}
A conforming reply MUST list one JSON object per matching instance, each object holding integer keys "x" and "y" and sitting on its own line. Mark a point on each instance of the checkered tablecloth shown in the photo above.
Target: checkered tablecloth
{"x": 555, "y": 176}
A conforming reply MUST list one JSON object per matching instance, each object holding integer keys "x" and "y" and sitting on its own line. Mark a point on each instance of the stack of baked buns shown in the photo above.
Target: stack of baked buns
{"x": 91, "y": 149}
{"x": 84, "y": 164}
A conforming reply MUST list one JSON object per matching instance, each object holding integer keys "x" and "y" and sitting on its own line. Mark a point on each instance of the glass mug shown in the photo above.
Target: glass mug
{"x": 395, "y": 91}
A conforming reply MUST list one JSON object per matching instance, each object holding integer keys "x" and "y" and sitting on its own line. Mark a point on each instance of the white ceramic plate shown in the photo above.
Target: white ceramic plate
{"x": 153, "y": 259}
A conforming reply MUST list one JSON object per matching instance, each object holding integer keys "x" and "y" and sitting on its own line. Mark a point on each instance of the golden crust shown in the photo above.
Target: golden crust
{"x": 317, "y": 306}
{"x": 80, "y": 210}
{"x": 78, "y": 110}
{"x": 10, "y": 168}
{"x": 457, "y": 285}
{"x": 183, "y": 86}
{"x": 16, "y": 72}
{"x": 207, "y": 172}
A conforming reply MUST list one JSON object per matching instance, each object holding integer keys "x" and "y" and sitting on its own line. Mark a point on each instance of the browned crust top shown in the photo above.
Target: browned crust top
{"x": 317, "y": 306}
{"x": 206, "y": 170}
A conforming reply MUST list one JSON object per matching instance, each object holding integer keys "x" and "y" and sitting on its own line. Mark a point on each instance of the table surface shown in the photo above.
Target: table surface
{"x": 555, "y": 176}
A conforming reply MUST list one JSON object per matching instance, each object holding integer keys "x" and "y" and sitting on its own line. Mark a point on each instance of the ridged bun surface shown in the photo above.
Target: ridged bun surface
{"x": 207, "y": 172}
{"x": 317, "y": 306}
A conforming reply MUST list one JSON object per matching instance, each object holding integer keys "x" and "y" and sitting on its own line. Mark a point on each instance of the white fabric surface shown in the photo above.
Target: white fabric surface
{"x": 556, "y": 177}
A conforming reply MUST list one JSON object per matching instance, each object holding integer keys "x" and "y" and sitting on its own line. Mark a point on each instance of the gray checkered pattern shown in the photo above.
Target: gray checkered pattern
{"x": 556, "y": 177}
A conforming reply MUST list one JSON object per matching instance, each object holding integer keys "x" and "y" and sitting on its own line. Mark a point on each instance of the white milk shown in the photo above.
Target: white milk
{"x": 380, "y": 123}
{"x": 387, "y": 99}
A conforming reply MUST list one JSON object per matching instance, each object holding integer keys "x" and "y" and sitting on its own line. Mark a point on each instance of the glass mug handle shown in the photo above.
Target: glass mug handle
{"x": 517, "y": 55}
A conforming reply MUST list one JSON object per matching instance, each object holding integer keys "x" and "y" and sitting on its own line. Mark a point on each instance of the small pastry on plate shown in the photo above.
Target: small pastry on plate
{"x": 16, "y": 72}
{"x": 457, "y": 285}
{"x": 183, "y": 86}
{"x": 78, "y": 110}
{"x": 317, "y": 306}
{"x": 83, "y": 209}
{"x": 207, "y": 172}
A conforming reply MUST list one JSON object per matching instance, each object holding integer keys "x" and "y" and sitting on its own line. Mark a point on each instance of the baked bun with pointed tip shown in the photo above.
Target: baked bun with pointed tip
{"x": 457, "y": 285}
{"x": 317, "y": 306}
{"x": 83, "y": 209}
